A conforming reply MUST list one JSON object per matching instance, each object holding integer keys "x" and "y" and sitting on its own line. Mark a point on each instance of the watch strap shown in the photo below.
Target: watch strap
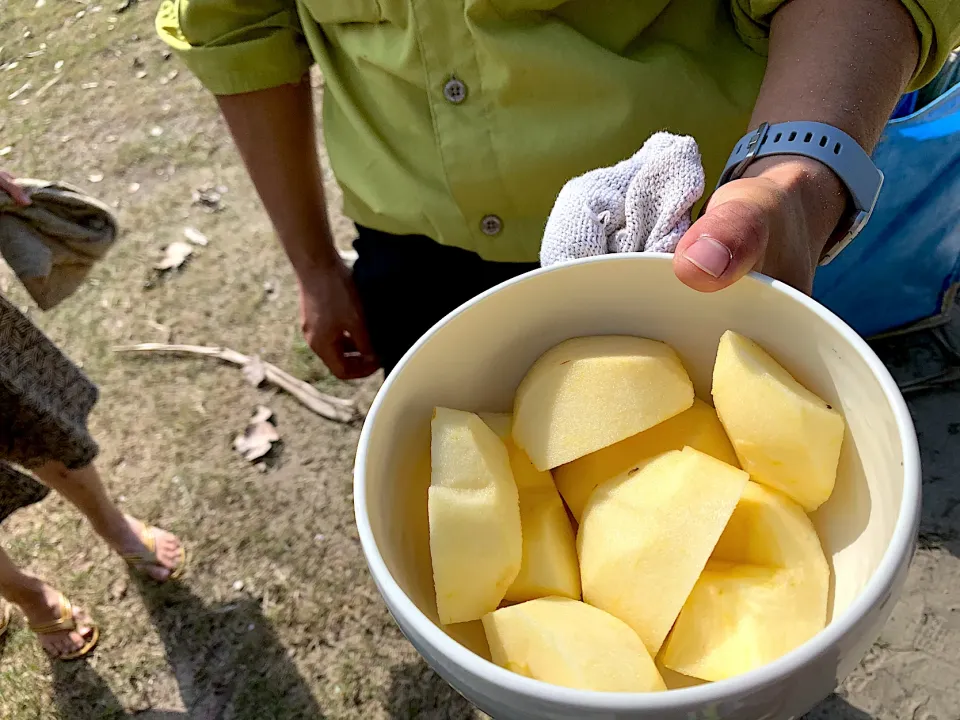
{"x": 830, "y": 146}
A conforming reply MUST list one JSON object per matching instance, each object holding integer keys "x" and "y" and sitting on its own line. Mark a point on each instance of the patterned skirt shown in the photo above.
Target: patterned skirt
{"x": 44, "y": 403}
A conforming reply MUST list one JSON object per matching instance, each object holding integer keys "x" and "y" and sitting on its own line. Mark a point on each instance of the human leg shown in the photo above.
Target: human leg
{"x": 125, "y": 534}
{"x": 42, "y": 606}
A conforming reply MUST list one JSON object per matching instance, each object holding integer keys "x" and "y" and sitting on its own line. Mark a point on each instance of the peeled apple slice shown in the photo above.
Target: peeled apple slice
{"x": 738, "y": 617}
{"x": 785, "y": 436}
{"x": 549, "y": 565}
{"x": 769, "y": 529}
{"x": 588, "y": 393}
{"x": 475, "y": 536}
{"x": 569, "y": 643}
{"x": 699, "y": 428}
{"x": 763, "y": 594}
{"x": 646, "y": 536}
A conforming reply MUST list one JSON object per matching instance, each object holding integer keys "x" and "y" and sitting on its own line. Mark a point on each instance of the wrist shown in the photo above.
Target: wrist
{"x": 814, "y": 187}
{"x": 311, "y": 253}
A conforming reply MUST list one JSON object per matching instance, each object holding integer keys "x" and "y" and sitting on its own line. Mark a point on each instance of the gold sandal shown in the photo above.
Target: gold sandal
{"x": 68, "y": 623}
{"x": 138, "y": 560}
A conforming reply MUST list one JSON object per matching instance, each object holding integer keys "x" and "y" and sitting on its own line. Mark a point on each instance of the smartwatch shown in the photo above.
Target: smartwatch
{"x": 832, "y": 147}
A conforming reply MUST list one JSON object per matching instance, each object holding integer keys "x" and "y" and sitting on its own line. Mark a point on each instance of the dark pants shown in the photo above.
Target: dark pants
{"x": 407, "y": 283}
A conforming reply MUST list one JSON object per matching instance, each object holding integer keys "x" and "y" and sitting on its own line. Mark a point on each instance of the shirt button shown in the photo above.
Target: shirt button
{"x": 491, "y": 225}
{"x": 455, "y": 91}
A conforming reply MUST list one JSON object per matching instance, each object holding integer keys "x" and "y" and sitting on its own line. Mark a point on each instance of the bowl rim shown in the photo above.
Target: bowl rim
{"x": 873, "y": 595}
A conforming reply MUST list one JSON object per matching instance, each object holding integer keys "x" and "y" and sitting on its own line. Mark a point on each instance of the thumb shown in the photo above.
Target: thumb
{"x": 726, "y": 243}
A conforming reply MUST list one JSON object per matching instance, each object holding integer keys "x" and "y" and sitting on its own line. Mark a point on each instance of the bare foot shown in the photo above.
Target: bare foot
{"x": 168, "y": 552}
{"x": 45, "y": 609}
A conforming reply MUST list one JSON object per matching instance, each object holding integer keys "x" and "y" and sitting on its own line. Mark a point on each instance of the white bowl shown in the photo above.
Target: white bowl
{"x": 474, "y": 360}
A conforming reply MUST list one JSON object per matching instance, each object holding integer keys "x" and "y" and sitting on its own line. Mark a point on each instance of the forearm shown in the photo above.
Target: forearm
{"x": 274, "y": 132}
{"x": 841, "y": 63}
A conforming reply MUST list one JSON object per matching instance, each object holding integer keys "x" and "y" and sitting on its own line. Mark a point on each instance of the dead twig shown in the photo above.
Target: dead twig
{"x": 328, "y": 406}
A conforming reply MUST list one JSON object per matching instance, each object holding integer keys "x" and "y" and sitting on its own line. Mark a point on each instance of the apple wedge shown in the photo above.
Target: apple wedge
{"x": 591, "y": 392}
{"x": 474, "y": 517}
{"x": 738, "y": 618}
{"x": 549, "y": 565}
{"x": 646, "y": 536}
{"x": 569, "y": 643}
{"x": 764, "y": 591}
{"x": 785, "y": 436}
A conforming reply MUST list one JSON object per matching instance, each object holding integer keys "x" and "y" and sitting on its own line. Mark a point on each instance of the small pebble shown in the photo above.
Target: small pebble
{"x": 238, "y": 586}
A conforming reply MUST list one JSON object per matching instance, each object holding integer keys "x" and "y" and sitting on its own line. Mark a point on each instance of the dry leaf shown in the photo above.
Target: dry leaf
{"x": 195, "y": 236}
{"x": 258, "y": 439}
{"x": 262, "y": 414}
{"x": 255, "y": 372}
{"x": 174, "y": 255}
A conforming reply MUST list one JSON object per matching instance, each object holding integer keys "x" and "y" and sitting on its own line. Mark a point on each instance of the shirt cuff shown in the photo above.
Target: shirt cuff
{"x": 937, "y": 23}
{"x": 272, "y": 56}
{"x": 938, "y": 32}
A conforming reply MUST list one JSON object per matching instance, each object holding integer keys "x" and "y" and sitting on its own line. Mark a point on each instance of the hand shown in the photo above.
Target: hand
{"x": 18, "y": 194}
{"x": 332, "y": 322}
{"x": 777, "y": 220}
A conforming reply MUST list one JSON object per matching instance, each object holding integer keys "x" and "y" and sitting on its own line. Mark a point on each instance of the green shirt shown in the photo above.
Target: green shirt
{"x": 462, "y": 119}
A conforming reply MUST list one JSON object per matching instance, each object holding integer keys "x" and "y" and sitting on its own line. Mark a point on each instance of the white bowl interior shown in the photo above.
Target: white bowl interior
{"x": 475, "y": 360}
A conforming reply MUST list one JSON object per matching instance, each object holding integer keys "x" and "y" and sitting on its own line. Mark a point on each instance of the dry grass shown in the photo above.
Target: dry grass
{"x": 278, "y": 617}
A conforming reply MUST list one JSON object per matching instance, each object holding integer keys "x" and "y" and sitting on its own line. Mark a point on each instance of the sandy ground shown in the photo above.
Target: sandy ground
{"x": 278, "y": 617}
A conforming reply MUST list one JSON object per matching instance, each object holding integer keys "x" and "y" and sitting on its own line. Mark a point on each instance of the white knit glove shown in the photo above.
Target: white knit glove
{"x": 639, "y": 205}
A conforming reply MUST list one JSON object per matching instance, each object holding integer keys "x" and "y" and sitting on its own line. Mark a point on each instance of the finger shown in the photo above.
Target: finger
{"x": 343, "y": 360}
{"x": 724, "y": 245}
{"x": 332, "y": 358}
{"x": 18, "y": 194}
{"x": 356, "y": 364}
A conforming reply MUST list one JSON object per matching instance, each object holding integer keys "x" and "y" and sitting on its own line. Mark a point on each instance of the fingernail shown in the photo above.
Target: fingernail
{"x": 709, "y": 255}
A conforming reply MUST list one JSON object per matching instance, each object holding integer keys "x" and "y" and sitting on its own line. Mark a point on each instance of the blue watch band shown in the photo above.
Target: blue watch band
{"x": 832, "y": 147}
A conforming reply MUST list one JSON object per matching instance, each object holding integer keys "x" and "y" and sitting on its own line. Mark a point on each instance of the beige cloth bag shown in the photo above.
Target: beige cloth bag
{"x": 52, "y": 243}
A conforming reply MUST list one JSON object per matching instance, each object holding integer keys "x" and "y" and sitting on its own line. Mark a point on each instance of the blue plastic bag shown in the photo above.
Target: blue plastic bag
{"x": 902, "y": 268}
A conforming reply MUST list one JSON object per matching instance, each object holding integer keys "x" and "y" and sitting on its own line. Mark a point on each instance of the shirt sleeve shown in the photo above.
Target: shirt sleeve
{"x": 236, "y": 46}
{"x": 937, "y": 21}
